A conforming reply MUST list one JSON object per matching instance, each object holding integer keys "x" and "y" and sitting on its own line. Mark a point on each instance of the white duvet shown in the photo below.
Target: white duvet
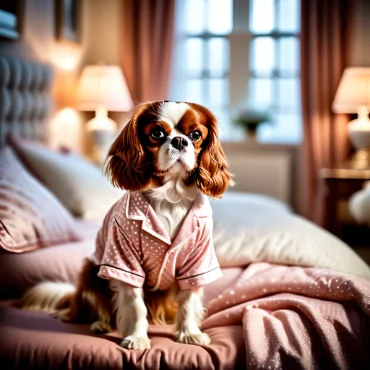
{"x": 252, "y": 228}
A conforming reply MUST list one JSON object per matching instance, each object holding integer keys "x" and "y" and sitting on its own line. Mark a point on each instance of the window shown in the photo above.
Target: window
{"x": 274, "y": 79}
{"x": 233, "y": 53}
{"x": 202, "y": 54}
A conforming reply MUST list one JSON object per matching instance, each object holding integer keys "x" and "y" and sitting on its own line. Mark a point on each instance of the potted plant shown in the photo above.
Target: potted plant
{"x": 250, "y": 118}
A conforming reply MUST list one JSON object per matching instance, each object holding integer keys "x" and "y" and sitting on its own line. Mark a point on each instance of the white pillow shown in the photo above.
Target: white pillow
{"x": 251, "y": 228}
{"x": 77, "y": 183}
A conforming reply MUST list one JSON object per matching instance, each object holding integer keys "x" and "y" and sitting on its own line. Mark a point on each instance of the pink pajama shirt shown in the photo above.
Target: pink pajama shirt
{"x": 134, "y": 247}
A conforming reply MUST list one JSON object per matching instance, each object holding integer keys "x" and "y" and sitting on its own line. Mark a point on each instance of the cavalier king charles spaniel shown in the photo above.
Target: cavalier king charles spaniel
{"x": 154, "y": 252}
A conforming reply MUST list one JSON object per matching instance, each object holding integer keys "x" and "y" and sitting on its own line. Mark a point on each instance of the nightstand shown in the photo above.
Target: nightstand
{"x": 337, "y": 185}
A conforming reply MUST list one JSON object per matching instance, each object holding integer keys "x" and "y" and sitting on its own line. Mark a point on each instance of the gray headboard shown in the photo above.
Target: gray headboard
{"x": 25, "y": 98}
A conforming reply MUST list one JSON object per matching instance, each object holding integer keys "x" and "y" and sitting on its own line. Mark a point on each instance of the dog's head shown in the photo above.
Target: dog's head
{"x": 165, "y": 139}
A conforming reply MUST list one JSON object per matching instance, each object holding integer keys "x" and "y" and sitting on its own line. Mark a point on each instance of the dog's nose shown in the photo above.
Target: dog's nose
{"x": 179, "y": 142}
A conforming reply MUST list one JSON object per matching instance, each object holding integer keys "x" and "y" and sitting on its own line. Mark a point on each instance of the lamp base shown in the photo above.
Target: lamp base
{"x": 100, "y": 142}
{"x": 359, "y": 135}
{"x": 102, "y": 131}
{"x": 359, "y": 130}
{"x": 361, "y": 159}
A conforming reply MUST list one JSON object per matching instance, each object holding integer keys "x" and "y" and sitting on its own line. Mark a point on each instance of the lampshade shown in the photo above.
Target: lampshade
{"x": 103, "y": 85}
{"x": 353, "y": 90}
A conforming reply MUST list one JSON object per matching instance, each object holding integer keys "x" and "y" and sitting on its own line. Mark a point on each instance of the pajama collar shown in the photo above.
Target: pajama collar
{"x": 138, "y": 208}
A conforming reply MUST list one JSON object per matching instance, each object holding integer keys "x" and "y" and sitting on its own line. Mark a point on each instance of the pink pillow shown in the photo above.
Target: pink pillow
{"x": 30, "y": 216}
{"x": 77, "y": 183}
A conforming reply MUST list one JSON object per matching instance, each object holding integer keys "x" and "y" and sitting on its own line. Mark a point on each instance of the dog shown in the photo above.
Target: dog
{"x": 154, "y": 252}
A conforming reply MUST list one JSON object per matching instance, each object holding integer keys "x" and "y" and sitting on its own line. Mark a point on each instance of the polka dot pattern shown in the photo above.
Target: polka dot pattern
{"x": 134, "y": 247}
{"x": 295, "y": 317}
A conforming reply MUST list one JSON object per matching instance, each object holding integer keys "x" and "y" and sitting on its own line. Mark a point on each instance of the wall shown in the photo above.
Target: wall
{"x": 100, "y": 31}
{"x": 38, "y": 42}
{"x": 264, "y": 169}
{"x": 103, "y": 32}
{"x": 361, "y": 45}
{"x": 103, "y": 29}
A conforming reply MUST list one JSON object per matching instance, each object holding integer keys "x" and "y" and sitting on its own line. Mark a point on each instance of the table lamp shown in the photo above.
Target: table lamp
{"x": 102, "y": 88}
{"x": 353, "y": 96}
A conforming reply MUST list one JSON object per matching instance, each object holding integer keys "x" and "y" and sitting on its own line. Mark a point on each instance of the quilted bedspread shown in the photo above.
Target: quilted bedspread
{"x": 297, "y": 318}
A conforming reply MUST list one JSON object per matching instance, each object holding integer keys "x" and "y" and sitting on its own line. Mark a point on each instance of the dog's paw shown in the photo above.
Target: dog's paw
{"x": 139, "y": 343}
{"x": 100, "y": 327}
{"x": 201, "y": 339}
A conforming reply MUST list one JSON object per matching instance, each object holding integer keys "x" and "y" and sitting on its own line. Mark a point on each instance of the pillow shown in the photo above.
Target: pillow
{"x": 252, "y": 228}
{"x": 77, "y": 183}
{"x": 20, "y": 272}
{"x": 30, "y": 216}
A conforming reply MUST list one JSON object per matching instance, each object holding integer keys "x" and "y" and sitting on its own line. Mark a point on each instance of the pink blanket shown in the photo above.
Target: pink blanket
{"x": 296, "y": 317}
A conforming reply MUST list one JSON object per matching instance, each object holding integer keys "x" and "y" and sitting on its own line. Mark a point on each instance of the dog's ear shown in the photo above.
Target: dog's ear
{"x": 127, "y": 164}
{"x": 212, "y": 176}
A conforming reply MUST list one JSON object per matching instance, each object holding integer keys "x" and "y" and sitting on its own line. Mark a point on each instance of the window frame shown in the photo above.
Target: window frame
{"x": 239, "y": 74}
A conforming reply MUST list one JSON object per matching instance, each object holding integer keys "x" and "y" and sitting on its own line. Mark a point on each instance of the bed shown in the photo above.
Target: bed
{"x": 292, "y": 295}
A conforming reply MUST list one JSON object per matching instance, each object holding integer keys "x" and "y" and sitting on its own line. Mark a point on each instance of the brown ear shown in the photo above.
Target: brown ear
{"x": 127, "y": 163}
{"x": 212, "y": 176}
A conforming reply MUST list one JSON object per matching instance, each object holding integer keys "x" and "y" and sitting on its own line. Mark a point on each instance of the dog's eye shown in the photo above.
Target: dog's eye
{"x": 195, "y": 135}
{"x": 157, "y": 133}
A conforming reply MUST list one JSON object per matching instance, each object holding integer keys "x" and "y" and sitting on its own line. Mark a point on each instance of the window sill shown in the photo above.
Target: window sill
{"x": 244, "y": 145}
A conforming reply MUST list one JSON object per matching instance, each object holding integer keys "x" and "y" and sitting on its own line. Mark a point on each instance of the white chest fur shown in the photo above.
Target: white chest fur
{"x": 171, "y": 202}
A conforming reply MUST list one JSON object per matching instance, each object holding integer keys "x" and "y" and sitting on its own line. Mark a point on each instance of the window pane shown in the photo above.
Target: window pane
{"x": 289, "y": 16}
{"x": 220, "y": 18}
{"x": 286, "y": 128}
{"x": 225, "y": 126}
{"x": 289, "y": 93}
{"x": 193, "y": 19}
{"x": 260, "y": 92}
{"x": 289, "y": 54}
{"x": 218, "y": 56}
{"x": 218, "y": 92}
{"x": 193, "y": 55}
{"x": 262, "y": 16}
{"x": 263, "y": 54}
{"x": 194, "y": 91}
{"x": 222, "y": 116}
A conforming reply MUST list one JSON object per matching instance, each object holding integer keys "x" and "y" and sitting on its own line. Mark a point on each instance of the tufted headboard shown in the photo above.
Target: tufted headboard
{"x": 25, "y": 98}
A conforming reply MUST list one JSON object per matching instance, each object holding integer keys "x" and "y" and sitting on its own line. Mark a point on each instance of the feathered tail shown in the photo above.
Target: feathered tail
{"x": 87, "y": 302}
{"x": 48, "y": 296}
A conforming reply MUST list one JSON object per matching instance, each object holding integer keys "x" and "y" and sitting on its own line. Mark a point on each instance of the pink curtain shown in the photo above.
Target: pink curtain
{"x": 148, "y": 29}
{"x": 326, "y": 31}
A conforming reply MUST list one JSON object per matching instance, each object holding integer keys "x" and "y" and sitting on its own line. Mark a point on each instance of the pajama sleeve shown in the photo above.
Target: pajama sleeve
{"x": 121, "y": 259}
{"x": 201, "y": 267}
